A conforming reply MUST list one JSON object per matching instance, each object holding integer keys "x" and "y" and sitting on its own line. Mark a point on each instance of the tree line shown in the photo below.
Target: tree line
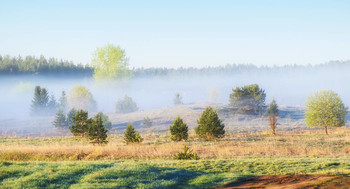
{"x": 17, "y": 65}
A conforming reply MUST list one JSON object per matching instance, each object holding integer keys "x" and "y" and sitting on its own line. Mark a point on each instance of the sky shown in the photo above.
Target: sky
{"x": 180, "y": 33}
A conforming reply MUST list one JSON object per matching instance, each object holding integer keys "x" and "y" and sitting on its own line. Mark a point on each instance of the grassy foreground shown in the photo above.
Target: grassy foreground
{"x": 160, "y": 173}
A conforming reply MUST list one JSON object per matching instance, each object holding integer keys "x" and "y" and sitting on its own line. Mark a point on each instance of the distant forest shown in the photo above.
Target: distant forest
{"x": 42, "y": 66}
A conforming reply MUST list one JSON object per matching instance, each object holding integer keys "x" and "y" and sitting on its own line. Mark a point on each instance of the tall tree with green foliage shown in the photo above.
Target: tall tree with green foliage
{"x": 81, "y": 98}
{"x": 63, "y": 102}
{"x": 110, "y": 62}
{"x": 81, "y": 123}
{"x": 248, "y": 99}
{"x": 97, "y": 132}
{"x": 70, "y": 116}
{"x": 60, "y": 121}
{"x": 40, "y": 101}
{"x": 105, "y": 120}
{"x": 272, "y": 113}
{"x": 325, "y": 109}
{"x": 132, "y": 136}
{"x": 178, "y": 130}
{"x": 209, "y": 125}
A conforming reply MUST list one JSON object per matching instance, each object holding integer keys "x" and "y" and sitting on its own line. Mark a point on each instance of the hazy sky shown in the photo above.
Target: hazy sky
{"x": 180, "y": 33}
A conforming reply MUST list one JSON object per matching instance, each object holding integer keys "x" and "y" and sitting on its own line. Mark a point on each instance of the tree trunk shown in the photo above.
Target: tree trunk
{"x": 325, "y": 130}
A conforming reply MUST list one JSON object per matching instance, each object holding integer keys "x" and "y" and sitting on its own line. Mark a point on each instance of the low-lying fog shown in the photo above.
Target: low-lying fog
{"x": 288, "y": 88}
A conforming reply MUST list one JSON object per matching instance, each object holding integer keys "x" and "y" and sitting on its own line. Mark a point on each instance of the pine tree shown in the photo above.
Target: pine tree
{"x": 81, "y": 123}
{"x": 52, "y": 105}
{"x": 40, "y": 101}
{"x": 97, "y": 132}
{"x": 209, "y": 125}
{"x": 63, "y": 101}
{"x": 60, "y": 121}
{"x": 132, "y": 136}
{"x": 272, "y": 113}
{"x": 179, "y": 130}
{"x": 105, "y": 120}
{"x": 70, "y": 116}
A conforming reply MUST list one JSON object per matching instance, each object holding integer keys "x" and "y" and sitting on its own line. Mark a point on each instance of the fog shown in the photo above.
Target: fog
{"x": 289, "y": 88}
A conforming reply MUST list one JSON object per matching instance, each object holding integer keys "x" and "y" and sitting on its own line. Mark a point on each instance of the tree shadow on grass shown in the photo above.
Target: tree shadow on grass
{"x": 144, "y": 176}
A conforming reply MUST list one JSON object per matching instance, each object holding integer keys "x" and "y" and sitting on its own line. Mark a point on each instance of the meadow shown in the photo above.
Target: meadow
{"x": 71, "y": 162}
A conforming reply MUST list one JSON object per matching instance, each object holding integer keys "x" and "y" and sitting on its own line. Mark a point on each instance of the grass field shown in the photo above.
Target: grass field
{"x": 160, "y": 173}
{"x": 160, "y": 147}
{"x": 247, "y": 151}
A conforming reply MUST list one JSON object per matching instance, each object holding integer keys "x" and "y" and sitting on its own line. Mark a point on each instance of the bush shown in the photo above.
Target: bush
{"x": 272, "y": 113}
{"x": 187, "y": 154}
{"x": 249, "y": 99}
{"x": 132, "y": 136}
{"x": 178, "y": 99}
{"x": 209, "y": 125}
{"x": 97, "y": 133}
{"x": 179, "y": 130}
{"x": 325, "y": 109}
{"x": 81, "y": 123}
{"x": 126, "y": 105}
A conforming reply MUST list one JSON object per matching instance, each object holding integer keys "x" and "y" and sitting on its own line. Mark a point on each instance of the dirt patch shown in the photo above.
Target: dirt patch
{"x": 290, "y": 181}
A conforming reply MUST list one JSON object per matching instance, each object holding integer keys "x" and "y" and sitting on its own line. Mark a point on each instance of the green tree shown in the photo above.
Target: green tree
{"x": 187, "y": 154}
{"x": 60, "y": 121}
{"x": 40, "y": 101}
{"x": 63, "y": 102}
{"x": 126, "y": 105}
{"x": 52, "y": 105}
{"x": 248, "y": 99}
{"x": 110, "y": 62}
{"x": 81, "y": 98}
{"x": 325, "y": 109}
{"x": 272, "y": 113}
{"x": 179, "y": 130}
{"x": 105, "y": 120}
{"x": 81, "y": 123}
{"x": 132, "y": 136}
{"x": 97, "y": 133}
{"x": 70, "y": 116}
{"x": 147, "y": 122}
{"x": 209, "y": 125}
{"x": 177, "y": 99}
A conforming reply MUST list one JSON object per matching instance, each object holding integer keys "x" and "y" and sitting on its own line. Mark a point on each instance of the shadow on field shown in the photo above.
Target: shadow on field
{"x": 104, "y": 175}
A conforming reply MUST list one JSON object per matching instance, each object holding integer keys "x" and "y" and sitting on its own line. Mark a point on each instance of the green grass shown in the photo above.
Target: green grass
{"x": 160, "y": 173}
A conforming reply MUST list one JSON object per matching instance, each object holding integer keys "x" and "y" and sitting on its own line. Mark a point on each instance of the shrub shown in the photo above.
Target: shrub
{"x": 147, "y": 122}
{"x": 126, "y": 105}
{"x": 177, "y": 99}
{"x": 81, "y": 123}
{"x": 187, "y": 154}
{"x": 272, "y": 113}
{"x": 249, "y": 99}
{"x": 97, "y": 133}
{"x": 209, "y": 125}
{"x": 325, "y": 109}
{"x": 179, "y": 130}
{"x": 132, "y": 136}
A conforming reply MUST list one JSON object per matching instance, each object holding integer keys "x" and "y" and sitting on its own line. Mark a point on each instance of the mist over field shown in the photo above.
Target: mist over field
{"x": 289, "y": 88}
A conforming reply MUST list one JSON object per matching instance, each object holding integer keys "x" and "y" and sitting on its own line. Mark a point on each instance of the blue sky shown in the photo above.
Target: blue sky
{"x": 180, "y": 33}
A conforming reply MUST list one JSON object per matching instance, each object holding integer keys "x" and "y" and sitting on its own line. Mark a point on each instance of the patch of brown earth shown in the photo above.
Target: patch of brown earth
{"x": 285, "y": 181}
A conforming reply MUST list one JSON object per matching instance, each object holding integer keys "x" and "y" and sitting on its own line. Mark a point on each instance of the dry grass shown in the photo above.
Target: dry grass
{"x": 160, "y": 147}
